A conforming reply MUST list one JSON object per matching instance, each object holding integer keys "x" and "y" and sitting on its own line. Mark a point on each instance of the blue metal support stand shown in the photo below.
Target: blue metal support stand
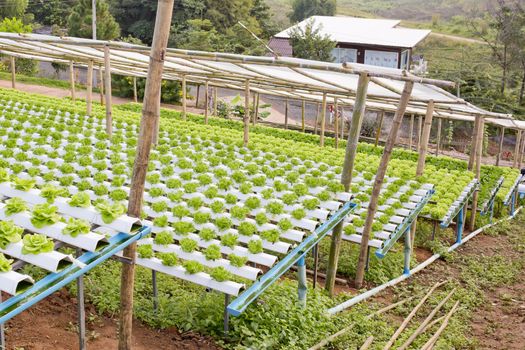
{"x": 459, "y": 225}
{"x": 302, "y": 287}
{"x": 226, "y": 314}
{"x": 2, "y": 331}
{"x": 513, "y": 203}
{"x": 408, "y": 249}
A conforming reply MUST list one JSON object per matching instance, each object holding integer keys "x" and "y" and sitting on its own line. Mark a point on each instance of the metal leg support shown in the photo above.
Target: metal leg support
{"x": 316, "y": 263}
{"x": 226, "y": 314}
{"x": 408, "y": 242}
{"x": 2, "y": 331}
{"x": 301, "y": 279}
{"x": 459, "y": 225}
{"x": 81, "y": 311}
{"x": 155, "y": 291}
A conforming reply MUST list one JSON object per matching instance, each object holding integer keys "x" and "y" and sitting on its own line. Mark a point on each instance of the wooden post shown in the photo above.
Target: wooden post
{"x": 206, "y": 96}
{"x": 215, "y": 102}
{"x": 472, "y": 156}
{"x": 517, "y": 149}
{"x": 380, "y": 176}
{"x": 317, "y": 119}
{"x": 522, "y": 150}
{"x": 438, "y": 141}
{"x": 478, "y": 152}
{"x": 323, "y": 119}
{"x": 303, "y": 110}
{"x": 419, "y": 131}
{"x": 336, "y": 123}
{"x": 342, "y": 123}
{"x": 197, "y": 97}
{"x": 101, "y": 85}
{"x": 500, "y": 148}
{"x": 425, "y": 136}
{"x": 12, "y": 64}
{"x": 140, "y": 167}
{"x": 72, "y": 81}
{"x": 135, "y": 93}
{"x": 183, "y": 97}
{"x": 107, "y": 80}
{"x": 286, "y": 107}
{"x": 410, "y": 137}
{"x": 254, "y": 106}
{"x": 256, "y": 112}
{"x": 379, "y": 127}
{"x": 346, "y": 176}
{"x": 89, "y": 88}
{"x": 246, "y": 118}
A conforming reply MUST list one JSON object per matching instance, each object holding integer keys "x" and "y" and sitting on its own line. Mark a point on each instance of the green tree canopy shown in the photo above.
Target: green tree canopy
{"x": 302, "y": 9}
{"x": 13, "y": 8}
{"x": 79, "y": 22}
{"x": 311, "y": 44}
{"x": 50, "y": 12}
{"x": 14, "y": 25}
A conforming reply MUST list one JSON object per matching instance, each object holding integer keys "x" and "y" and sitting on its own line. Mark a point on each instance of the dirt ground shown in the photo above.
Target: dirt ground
{"x": 55, "y": 327}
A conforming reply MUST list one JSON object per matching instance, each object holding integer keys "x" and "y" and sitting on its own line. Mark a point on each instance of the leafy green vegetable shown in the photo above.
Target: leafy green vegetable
{"x": 255, "y": 246}
{"x": 237, "y": 261}
{"x": 145, "y": 251}
{"x": 9, "y": 233}
{"x": 5, "y": 264}
{"x": 220, "y": 274}
{"x": 192, "y": 266}
{"x": 223, "y": 223}
{"x": 207, "y": 234}
{"x": 246, "y": 228}
{"x": 15, "y": 205}
{"x": 44, "y": 215}
{"x": 24, "y": 184}
{"x": 163, "y": 238}
{"x": 169, "y": 259}
{"x": 76, "y": 227}
{"x": 213, "y": 252}
{"x": 80, "y": 200}
{"x": 51, "y": 192}
{"x": 183, "y": 227}
{"x": 271, "y": 235}
{"x": 37, "y": 244}
{"x": 110, "y": 212}
{"x": 229, "y": 240}
{"x": 188, "y": 245}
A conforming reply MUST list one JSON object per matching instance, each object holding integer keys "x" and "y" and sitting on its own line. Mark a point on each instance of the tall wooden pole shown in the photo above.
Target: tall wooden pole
{"x": 438, "y": 137}
{"x": 522, "y": 150}
{"x": 197, "y": 97}
{"x": 379, "y": 127}
{"x": 410, "y": 137}
{"x": 107, "y": 80}
{"x": 323, "y": 119}
{"x": 135, "y": 93}
{"x": 419, "y": 131}
{"x": 12, "y": 64}
{"x": 286, "y": 108}
{"x": 517, "y": 149}
{"x": 101, "y": 84}
{"x": 246, "y": 118}
{"x": 478, "y": 152}
{"x": 206, "y": 106}
{"x": 472, "y": 156}
{"x": 72, "y": 81}
{"x": 140, "y": 168}
{"x": 500, "y": 147}
{"x": 346, "y": 176}
{"x": 336, "y": 123}
{"x": 89, "y": 88}
{"x": 317, "y": 119}
{"x": 303, "y": 110}
{"x": 380, "y": 176}
{"x": 256, "y": 112}
{"x": 215, "y": 102}
{"x": 254, "y": 107}
{"x": 342, "y": 119}
{"x": 425, "y": 136}
{"x": 183, "y": 97}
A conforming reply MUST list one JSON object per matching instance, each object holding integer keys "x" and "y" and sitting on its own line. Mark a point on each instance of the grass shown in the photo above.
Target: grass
{"x": 55, "y": 83}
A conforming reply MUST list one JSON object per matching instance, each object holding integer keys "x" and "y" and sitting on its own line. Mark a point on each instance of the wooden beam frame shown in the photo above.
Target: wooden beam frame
{"x": 246, "y": 117}
{"x": 89, "y": 89}
{"x": 323, "y": 120}
{"x": 12, "y": 67}
{"x": 478, "y": 155}
{"x": 184, "y": 98}
{"x": 438, "y": 136}
{"x": 107, "y": 81}
{"x": 303, "y": 111}
{"x": 379, "y": 127}
{"x": 72, "y": 81}
{"x": 500, "y": 146}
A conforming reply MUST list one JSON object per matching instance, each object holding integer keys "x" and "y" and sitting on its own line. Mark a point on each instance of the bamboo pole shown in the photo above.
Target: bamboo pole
{"x": 411, "y": 315}
{"x": 500, "y": 147}
{"x": 107, "y": 80}
{"x": 522, "y": 150}
{"x": 72, "y": 81}
{"x": 215, "y": 102}
{"x": 368, "y": 342}
{"x": 256, "y": 112}
{"x": 379, "y": 127}
{"x": 336, "y": 123}
{"x": 101, "y": 85}
{"x": 140, "y": 167}
{"x": 183, "y": 97}
{"x": 426, "y": 322}
{"x": 430, "y": 343}
{"x": 89, "y": 88}
{"x": 12, "y": 64}
{"x": 286, "y": 114}
{"x": 411, "y": 136}
{"x": 197, "y": 96}
{"x": 323, "y": 120}
{"x": 478, "y": 152}
{"x": 516, "y": 149}
{"x": 425, "y": 136}
{"x": 346, "y": 177}
{"x": 135, "y": 93}
{"x": 303, "y": 109}
{"x": 206, "y": 93}
{"x": 438, "y": 141}
{"x": 472, "y": 156}
{"x": 419, "y": 132}
{"x": 342, "y": 123}
{"x": 246, "y": 118}
{"x": 254, "y": 106}
{"x": 380, "y": 176}
{"x": 317, "y": 119}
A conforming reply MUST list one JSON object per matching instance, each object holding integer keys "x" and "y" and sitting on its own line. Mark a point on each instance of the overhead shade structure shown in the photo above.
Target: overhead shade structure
{"x": 279, "y": 76}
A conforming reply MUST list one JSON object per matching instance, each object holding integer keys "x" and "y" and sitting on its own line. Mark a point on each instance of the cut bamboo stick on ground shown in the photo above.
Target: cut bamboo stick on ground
{"x": 331, "y": 338}
{"x": 405, "y": 322}
{"x": 430, "y": 343}
{"x": 429, "y": 318}
{"x": 367, "y": 343}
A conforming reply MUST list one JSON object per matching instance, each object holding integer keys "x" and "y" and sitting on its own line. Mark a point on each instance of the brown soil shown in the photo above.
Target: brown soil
{"x": 57, "y": 329}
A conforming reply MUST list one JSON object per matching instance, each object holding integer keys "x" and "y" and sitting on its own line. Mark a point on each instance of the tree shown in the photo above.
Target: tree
{"x": 302, "y": 9}
{"x": 50, "y": 12}
{"x": 13, "y": 8}
{"x": 14, "y": 25}
{"x": 262, "y": 13}
{"x": 311, "y": 44}
{"x": 79, "y": 22}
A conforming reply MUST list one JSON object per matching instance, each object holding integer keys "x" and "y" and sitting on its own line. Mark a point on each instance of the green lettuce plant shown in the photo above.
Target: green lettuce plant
{"x": 9, "y": 233}
{"x": 44, "y": 214}
{"x": 255, "y": 246}
{"x": 80, "y": 200}
{"x": 37, "y": 244}
{"x": 188, "y": 245}
{"x": 163, "y": 238}
{"x": 5, "y": 264}
{"x": 76, "y": 227}
{"x": 24, "y": 184}
{"x": 213, "y": 252}
{"x": 110, "y": 212}
{"x": 207, "y": 234}
{"x": 220, "y": 274}
{"x": 15, "y": 205}
{"x": 169, "y": 259}
{"x": 192, "y": 266}
{"x": 237, "y": 261}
